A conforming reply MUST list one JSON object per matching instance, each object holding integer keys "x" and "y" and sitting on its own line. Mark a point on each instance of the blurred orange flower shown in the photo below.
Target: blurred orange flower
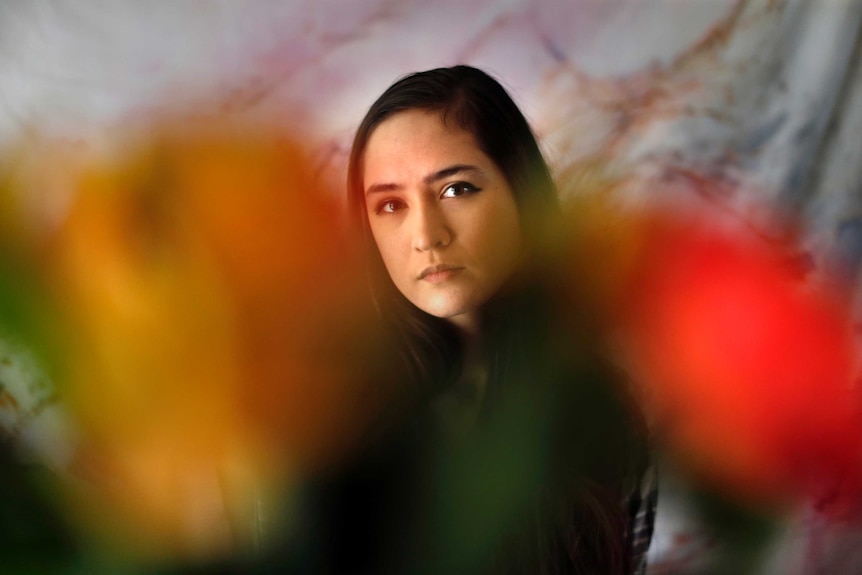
{"x": 215, "y": 336}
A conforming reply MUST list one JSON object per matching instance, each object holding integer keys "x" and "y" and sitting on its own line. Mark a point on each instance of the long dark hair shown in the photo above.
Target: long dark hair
{"x": 583, "y": 533}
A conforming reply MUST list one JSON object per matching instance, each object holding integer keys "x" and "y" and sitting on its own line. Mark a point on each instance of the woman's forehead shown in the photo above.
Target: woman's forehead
{"x": 416, "y": 142}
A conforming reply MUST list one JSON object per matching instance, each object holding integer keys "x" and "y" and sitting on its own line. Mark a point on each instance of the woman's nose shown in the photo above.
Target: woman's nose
{"x": 430, "y": 230}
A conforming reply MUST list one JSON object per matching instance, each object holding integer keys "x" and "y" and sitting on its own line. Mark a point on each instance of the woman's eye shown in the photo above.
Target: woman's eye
{"x": 388, "y": 207}
{"x": 458, "y": 189}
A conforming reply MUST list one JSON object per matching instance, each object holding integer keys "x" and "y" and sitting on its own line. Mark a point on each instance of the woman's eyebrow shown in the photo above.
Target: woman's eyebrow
{"x": 449, "y": 172}
{"x": 379, "y": 188}
{"x": 427, "y": 180}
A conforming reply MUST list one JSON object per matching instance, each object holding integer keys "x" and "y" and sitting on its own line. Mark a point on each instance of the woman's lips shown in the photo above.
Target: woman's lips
{"x": 439, "y": 273}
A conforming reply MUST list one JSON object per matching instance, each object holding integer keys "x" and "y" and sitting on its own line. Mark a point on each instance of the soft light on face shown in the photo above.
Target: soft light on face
{"x": 442, "y": 214}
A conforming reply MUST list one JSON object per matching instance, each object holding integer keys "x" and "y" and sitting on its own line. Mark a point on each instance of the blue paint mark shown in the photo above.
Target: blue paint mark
{"x": 806, "y": 131}
{"x": 792, "y": 191}
{"x": 846, "y": 254}
{"x": 554, "y": 50}
{"x": 761, "y": 134}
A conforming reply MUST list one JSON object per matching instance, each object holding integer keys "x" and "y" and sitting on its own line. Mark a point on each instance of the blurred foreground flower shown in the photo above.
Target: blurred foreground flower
{"x": 749, "y": 369}
{"x": 210, "y": 335}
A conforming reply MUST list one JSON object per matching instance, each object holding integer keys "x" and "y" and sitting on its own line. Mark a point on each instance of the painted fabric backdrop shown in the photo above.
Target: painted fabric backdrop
{"x": 723, "y": 102}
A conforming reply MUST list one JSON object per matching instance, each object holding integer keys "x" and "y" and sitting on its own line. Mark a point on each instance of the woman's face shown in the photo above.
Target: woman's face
{"x": 442, "y": 215}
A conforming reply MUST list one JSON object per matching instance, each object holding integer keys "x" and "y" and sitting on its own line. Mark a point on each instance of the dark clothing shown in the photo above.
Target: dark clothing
{"x": 421, "y": 501}
{"x": 552, "y": 477}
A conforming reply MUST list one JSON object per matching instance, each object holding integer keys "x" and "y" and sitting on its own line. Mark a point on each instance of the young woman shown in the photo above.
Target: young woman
{"x": 456, "y": 205}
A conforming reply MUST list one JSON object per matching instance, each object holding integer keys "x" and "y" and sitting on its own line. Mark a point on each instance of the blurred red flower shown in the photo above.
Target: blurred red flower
{"x": 748, "y": 368}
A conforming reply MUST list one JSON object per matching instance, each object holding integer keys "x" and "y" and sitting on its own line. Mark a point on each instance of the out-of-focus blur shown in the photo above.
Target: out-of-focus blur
{"x": 748, "y": 367}
{"x": 740, "y": 106}
{"x": 744, "y": 360}
{"x": 208, "y": 330}
{"x": 211, "y": 337}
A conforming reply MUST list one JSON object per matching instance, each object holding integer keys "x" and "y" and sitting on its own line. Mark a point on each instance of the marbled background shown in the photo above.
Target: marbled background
{"x": 730, "y": 102}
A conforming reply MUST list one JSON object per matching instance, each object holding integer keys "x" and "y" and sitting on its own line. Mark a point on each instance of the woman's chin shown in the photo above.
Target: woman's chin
{"x": 460, "y": 315}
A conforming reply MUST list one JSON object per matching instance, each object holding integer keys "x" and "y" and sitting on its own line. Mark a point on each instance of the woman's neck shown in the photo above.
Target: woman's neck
{"x": 459, "y": 408}
{"x": 467, "y": 325}
{"x": 469, "y": 328}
